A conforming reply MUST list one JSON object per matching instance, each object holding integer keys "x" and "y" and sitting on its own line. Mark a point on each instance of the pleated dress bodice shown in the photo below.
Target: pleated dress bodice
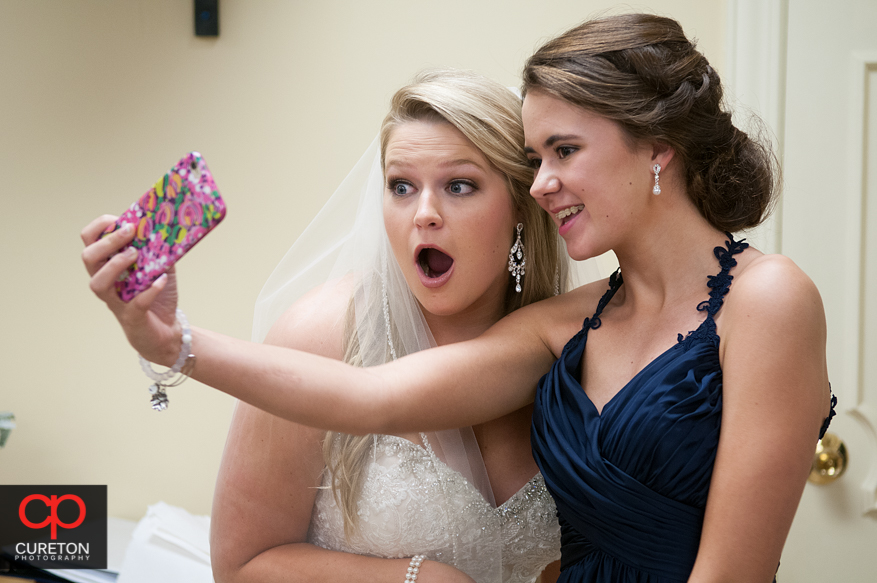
{"x": 631, "y": 481}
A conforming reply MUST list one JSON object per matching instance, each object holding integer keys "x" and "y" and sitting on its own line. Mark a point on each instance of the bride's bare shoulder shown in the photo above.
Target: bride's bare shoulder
{"x": 316, "y": 322}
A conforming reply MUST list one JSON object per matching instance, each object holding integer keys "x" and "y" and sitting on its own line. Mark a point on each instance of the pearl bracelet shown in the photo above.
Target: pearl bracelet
{"x": 183, "y": 366}
{"x": 185, "y": 349}
{"x": 414, "y": 567}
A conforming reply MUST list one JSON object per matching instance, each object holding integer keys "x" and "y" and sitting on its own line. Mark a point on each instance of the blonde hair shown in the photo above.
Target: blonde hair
{"x": 489, "y": 115}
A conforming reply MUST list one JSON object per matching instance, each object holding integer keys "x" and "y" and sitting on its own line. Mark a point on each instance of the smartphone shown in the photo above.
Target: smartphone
{"x": 169, "y": 219}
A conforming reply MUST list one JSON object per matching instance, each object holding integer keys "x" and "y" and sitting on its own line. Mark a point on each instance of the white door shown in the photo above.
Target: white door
{"x": 827, "y": 223}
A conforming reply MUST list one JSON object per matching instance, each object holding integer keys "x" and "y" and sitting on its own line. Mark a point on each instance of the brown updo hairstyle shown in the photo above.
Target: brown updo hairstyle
{"x": 642, "y": 72}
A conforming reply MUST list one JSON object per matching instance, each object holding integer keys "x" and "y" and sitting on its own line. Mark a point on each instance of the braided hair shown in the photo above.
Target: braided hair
{"x": 641, "y": 71}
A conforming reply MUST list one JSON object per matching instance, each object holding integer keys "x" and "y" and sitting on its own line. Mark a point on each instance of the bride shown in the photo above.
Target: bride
{"x": 650, "y": 438}
{"x": 429, "y": 258}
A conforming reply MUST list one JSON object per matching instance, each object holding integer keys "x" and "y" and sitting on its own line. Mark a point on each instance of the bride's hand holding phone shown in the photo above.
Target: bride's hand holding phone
{"x": 130, "y": 258}
{"x": 148, "y": 320}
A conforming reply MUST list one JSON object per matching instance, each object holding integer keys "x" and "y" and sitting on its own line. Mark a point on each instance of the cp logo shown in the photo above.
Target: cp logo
{"x": 52, "y": 504}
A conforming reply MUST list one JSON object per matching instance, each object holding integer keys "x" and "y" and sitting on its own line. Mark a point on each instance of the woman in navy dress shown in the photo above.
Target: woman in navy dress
{"x": 683, "y": 397}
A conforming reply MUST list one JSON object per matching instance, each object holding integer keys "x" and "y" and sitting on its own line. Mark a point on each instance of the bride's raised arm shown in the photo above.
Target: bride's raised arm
{"x": 450, "y": 386}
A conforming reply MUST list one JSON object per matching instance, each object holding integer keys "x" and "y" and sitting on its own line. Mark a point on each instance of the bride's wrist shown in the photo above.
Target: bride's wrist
{"x": 414, "y": 568}
{"x": 429, "y": 571}
{"x": 180, "y": 369}
{"x": 172, "y": 350}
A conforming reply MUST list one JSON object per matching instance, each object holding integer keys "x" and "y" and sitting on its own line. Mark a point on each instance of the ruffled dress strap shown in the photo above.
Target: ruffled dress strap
{"x": 831, "y": 413}
{"x": 615, "y": 281}
{"x": 719, "y": 285}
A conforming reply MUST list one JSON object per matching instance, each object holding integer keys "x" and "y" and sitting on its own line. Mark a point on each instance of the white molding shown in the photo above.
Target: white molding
{"x": 863, "y": 64}
{"x": 756, "y": 82}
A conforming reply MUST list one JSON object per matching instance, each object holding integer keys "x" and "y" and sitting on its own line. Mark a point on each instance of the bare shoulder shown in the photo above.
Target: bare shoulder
{"x": 316, "y": 322}
{"x": 773, "y": 335}
{"x": 773, "y": 289}
{"x": 271, "y": 467}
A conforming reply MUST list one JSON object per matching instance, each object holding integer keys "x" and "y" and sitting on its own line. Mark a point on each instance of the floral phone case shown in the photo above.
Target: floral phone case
{"x": 169, "y": 219}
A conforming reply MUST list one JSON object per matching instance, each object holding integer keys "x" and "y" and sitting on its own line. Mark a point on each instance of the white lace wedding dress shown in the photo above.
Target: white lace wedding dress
{"x": 412, "y": 503}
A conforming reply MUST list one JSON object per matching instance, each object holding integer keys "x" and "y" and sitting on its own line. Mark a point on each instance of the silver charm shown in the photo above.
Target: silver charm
{"x": 517, "y": 260}
{"x": 159, "y": 400}
{"x": 657, "y": 187}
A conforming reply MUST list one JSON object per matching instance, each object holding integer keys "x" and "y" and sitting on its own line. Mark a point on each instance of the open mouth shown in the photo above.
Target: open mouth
{"x": 564, "y": 215}
{"x": 433, "y": 262}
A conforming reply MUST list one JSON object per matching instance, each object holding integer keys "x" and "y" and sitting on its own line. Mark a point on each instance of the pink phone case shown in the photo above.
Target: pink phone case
{"x": 169, "y": 219}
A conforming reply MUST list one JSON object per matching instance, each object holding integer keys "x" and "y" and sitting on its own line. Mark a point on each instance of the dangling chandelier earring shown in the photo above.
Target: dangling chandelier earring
{"x": 385, "y": 304}
{"x": 517, "y": 260}
{"x": 657, "y": 187}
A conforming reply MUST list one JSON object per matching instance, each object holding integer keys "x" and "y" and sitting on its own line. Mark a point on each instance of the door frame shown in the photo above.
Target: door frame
{"x": 756, "y": 56}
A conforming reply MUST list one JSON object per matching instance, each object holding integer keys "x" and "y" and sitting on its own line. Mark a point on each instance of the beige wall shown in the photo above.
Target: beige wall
{"x": 99, "y": 97}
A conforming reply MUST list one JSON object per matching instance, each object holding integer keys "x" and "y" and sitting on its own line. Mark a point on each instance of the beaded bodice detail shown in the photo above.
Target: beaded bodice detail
{"x": 412, "y": 503}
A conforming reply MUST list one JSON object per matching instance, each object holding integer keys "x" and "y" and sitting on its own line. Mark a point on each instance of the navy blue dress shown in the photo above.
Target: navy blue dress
{"x": 631, "y": 483}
